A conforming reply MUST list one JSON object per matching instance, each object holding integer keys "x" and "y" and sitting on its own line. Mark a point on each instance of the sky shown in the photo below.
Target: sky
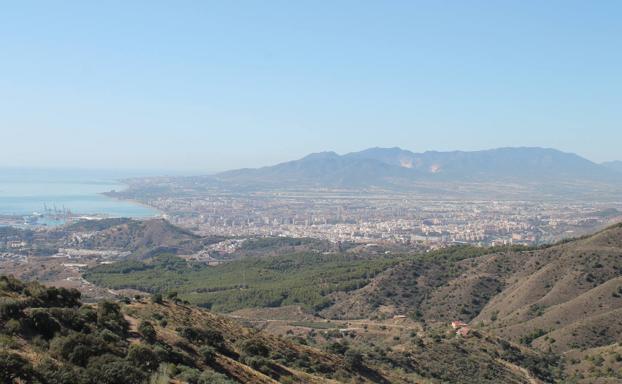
{"x": 203, "y": 86}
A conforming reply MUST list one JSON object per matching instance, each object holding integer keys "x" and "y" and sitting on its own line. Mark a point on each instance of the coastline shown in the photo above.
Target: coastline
{"x": 159, "y": 213}
{"x": 113, "y": 195}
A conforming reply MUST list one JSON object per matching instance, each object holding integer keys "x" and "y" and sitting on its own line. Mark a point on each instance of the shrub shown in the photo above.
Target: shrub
{"x": 44, "y": 324}
{"x": 77, "y": 348}
{"x": 8, "y": 342}
{"x": 172, "y": 295}
{"x": 11, "y": 284}
{"x": 527, "y": 339}
{"x": 12, "y": 327}
{"x": 494, "y": 316}
{"x": 207, "y": 353}
{"x": 147, "y": 330}
{"x": 353, "y": 359}
{"x": 9, "y": 308}
{"x": 49, "y": 372}
{"x": 87, "y": 314}
{"x": 40, "y": 342}
{"x": 53, "y": 296}
{"x": 213, "y": 338}
{"x": 198, "y": 335}
{"x": 162, "y": 352}
{"x": 108, "y": 336}
{"x": 69, "y": 317}
{"x": 109, "y": 316}
{"x": 143, "y": 356}
{"x": 156, "y": 298}
{"x": 113, "y": 370}
{"x": 260, "y": 364}
{"x": 190, "y": 333}
{"x": 179, "y": 357}
{"x": 184, "y": 345}
{"x": 13, "y": 367}
{"x": 189, "y": 375}
{"x": 254, "y": 347}
{"x": 210, "y": 377}
{"x": 337, "y": 348}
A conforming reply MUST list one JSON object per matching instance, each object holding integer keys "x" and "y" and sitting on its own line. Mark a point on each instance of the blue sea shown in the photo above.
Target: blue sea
{"x": 26, "y": 191}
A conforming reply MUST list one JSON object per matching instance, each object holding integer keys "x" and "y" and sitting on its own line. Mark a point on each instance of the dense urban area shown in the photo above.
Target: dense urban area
{"x": 392, "y": 218}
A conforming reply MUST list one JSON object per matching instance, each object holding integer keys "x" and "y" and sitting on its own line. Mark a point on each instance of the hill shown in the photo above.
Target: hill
{"x": 564, "y": 297}
{"x": 319, "y": 170}
{"x": 140, "y": 237}
{"x": 543, "y": 314}
{"x": 47, "y": 336}
{"x": 556, "y": 298}
{"x": 440, "y": 286}
{"x": 305, "y": 278}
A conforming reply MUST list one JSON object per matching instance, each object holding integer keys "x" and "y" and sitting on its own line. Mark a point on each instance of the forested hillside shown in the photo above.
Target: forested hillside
{"x": 307, "y": 279}
{"x": 49, "y": 337}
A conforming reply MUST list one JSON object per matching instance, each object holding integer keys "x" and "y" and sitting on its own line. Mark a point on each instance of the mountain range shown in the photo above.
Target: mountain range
{"x": 614, "y": 165}
{"x": 399, "y": 168}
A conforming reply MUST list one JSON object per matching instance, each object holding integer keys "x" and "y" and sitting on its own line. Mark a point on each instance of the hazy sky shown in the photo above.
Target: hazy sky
{"x": 202, "y": 85}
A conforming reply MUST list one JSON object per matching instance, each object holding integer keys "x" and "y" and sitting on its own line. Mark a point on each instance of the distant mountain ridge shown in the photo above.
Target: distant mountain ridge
{"x": 613, "y": 165}
{"x": 396, "y": 167}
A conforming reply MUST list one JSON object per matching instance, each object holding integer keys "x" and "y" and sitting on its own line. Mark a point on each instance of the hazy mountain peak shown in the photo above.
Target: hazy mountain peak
{"x": 613, "y": 165}
{"x": 399, "y": 168}
{"x": 321, "y": 156}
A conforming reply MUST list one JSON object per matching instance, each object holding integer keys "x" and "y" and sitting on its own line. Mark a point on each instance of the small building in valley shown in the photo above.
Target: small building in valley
{"x": 458, "y": 324}
{"x": 463, "y": 332}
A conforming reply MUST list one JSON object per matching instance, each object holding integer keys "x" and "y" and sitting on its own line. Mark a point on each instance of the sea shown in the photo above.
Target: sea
{"x": 26, "y": 192}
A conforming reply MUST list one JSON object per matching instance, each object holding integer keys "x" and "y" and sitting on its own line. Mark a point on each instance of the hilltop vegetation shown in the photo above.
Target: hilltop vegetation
{"x": 561, "y": 289}
{"x": 568, "y": 296}
{"x": 424, "y": 287}
{"x": 565, "y": 298}
{"x": 307, "y": 279}
{"x": 49, "y": 337}
{"x": 310, "y": 279}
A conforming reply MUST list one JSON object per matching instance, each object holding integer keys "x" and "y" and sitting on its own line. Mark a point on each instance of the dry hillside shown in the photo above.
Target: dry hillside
{"x": 561, "y": 297}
